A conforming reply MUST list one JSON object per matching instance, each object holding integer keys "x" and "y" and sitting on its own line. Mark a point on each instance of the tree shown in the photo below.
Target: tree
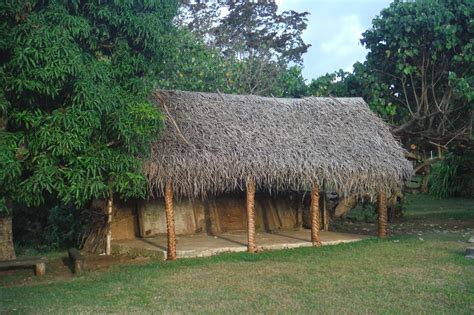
{"x": 291, "y": 83}
{"x": 418, "y": 75}
{"x": 247, "y": 28}
{"x": 359, "y": 83}
{"x": 257, "y": 43}
{"x": 423, "y": 52}
{"x": 75, "y": 86}
{"x": 331, "y": 84}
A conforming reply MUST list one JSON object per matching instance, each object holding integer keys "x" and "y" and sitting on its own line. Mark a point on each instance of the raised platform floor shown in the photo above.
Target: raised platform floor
{"x": 202, "y": 245}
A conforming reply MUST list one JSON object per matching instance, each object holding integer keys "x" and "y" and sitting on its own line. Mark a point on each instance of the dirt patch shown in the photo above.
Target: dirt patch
{"x": 58, "y": 268}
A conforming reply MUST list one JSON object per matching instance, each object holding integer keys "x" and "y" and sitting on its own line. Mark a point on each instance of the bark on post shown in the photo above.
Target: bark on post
{"x": 315, "y": 216}
{"x": 108, "y": 244}
{"x": 251, "y": 243}
{"x": 170, "y": 229}
{"x": 382, "y": 203}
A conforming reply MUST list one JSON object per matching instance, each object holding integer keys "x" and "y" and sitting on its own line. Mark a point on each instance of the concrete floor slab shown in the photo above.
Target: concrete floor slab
{"x": 202, "y": 245}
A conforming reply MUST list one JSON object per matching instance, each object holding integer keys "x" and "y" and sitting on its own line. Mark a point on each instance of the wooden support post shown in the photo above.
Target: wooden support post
{"x": 251, "y": 243}
{"x": 108, "y": 244}
{"x": 40, "y": 269}
{"x": 325, "y": 213}
{"x": 76, "y": 260}
{"x": 170, "y": 230}
{"x": 315, "y": 216}
{"x": 382, "y": 204}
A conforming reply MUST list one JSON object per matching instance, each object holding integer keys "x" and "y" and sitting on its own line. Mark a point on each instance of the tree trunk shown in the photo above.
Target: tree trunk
{"x": 170, "y": 229}
{"x": 7, "y": 251}
{"x": 382, "y": 203}
{"x": 315, "y": 216}
{"x": 108, "y": 244}
{"x": 426, "y": 177}
{"x": 251, "y": 242}
{"x": 345, "y": 206}
{"x": 394, "y": 211}
{"x": 325, "y": 213}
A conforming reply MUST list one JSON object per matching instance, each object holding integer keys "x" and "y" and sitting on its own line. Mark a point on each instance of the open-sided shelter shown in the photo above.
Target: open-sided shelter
{"x": 216, "y": 145}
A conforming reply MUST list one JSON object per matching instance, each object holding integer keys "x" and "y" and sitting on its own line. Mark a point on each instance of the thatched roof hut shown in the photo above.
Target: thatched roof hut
{"x": 214, "y": 143}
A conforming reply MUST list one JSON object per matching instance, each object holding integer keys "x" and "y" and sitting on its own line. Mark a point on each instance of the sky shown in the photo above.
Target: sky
{"x": 334, "y": 30}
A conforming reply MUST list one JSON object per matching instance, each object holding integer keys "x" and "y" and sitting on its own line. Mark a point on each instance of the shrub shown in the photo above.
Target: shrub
{"x": 454, "y": 176}
{"x": 47, "y": 229}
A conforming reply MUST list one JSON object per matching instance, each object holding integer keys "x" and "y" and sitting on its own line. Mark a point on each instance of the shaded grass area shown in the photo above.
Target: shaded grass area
{"x": 429, "y": 207}
{"x": 398, "y": 275}
{"x": 372, "y": 276}
{"x": 423, "y": 207}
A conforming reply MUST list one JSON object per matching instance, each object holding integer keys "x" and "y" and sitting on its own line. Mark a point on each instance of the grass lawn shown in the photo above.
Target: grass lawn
{"x": 402, "y": 274}
{"x": 428, "y": 207}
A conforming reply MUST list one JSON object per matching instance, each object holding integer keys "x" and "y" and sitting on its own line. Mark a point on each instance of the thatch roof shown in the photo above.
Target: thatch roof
{"x": 214, "y": 143}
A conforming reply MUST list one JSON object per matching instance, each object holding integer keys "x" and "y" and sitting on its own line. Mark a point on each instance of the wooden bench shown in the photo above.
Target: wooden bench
{"x": 38, "y": 263}
{"x": 77, "y": 260}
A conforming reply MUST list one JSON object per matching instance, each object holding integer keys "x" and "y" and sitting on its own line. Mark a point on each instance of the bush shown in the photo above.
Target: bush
{"x": 58, "y": 227}
{"x": 454, "y": 176}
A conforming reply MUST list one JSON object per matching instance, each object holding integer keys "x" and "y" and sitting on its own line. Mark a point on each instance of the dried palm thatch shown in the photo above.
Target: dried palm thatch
{"x": 214, "y": 143}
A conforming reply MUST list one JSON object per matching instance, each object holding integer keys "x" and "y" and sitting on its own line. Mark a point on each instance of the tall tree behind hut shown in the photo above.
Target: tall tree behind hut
{"x": 419, "y": 76}
{"x": 75, "y": 86}
{"x": 260, "y": 43}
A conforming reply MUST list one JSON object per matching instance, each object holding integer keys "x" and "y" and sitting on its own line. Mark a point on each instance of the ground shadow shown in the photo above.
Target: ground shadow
{"x": 291, "y": 236}
{"x": 151, "y": 243}
{"x": 229, "y": 240}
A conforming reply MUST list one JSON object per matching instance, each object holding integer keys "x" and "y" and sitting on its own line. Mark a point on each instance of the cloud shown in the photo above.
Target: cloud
{"x": 334, "y": 30}
{"x": 345, "y": 41}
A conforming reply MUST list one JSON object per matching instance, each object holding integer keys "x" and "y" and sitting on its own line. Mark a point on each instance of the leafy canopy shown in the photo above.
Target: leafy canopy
{"x": 419, "y": 72}
{"x": 253, "y": 45}
{"x": 75, "y": 84}
{"x": 423, "y": 52}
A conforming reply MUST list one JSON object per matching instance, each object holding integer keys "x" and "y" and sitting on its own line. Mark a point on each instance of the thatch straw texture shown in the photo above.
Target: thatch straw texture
{"x": 214, "y": 143}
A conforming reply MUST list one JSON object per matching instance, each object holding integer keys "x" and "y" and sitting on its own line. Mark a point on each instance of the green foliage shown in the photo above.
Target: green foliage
{"x": 331, "y": 84}
{"x": 454, "y": 176}
{"x": 291, "y": 83}
{"x": 75, "y": 86}
{"x": 58, "y": 227}
{"x": 10, "y": 168}
{"x": 422, "y": 54}
{"x": 248, "y": 28}
{"x": 249, "y": 48}
{"x": 359, "y": 83}
{"x": 193, "y": 66}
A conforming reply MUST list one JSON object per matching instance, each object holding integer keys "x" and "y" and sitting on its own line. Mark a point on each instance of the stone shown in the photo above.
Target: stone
{"x": 471, "y": 240}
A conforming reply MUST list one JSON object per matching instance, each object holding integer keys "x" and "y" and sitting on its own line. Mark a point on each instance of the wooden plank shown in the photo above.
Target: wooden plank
{"x": 25, "y": 262}
{"x": 38, "y": 263}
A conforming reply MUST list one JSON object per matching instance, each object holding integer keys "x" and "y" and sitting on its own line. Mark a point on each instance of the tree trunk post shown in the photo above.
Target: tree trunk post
{"x": 7, "y": 251}
{"x": 315, "y": 216}
{"x": 170, "y": 229}
{"x": 40, "y": 269}
{"x": 108, "y": 244}
{"x": 251, "y": 243}
{"x": 325, "y": 213}
{"x": 382, "y": 204}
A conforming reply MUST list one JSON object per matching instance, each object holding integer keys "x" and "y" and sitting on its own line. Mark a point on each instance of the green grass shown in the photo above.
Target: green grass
{"x": 397, "y": 275}
{"x": 426, "y": 206}
{"x": 423, "y": 206}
